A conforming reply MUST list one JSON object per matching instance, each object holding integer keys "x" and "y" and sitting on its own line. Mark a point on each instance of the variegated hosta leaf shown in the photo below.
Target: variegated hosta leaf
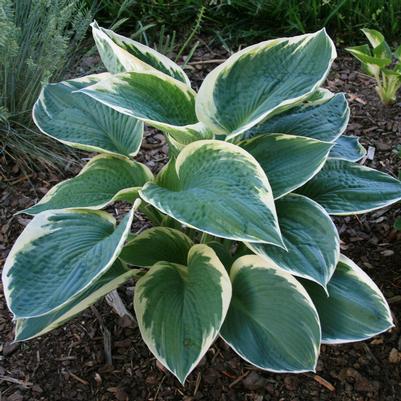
{"x": 109, "y": 281}
{"x": 271, "y": 322}
{"x": 348, "y": 148}
{"x": 380, "y": 47}
{"x": 369, "y": 63}
{"x": 121, "y": 54}
{"x": 343, "y": 187}
{"x": 154, "y": 98}
{"x": 81, "y": 122}
{"x": 157, "y": 244}
{"x": 103, "y": 180}
{"x": 288, "y": 161}
{"x": 218, "y": 188}
{"x": 355, "y": 309}
{"x": 311, "y": 239}
{"x": 324, "y": 119}
{"x": 180, "y": 309}
{"x": 258, "y": 80}
{"x": 58, "y": 256}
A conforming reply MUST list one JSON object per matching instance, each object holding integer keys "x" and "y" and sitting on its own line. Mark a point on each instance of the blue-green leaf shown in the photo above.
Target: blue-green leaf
{"x": 343, "y": 187}
{"x": 37, "y": 326}
{"x": 121, "y": 54}
{"x": 180, "y": 308}
{"x": 354, "y": 309}
{"x": 58, "y": 256}
{"x": 324, "y": 119}
{"x": 154, "y": 98}
{"x": 272, "y": 322}
{"x": 311, "y": 238}
{"x": 348, "y": 148}
{"x": 79, "y": 121}
{"x": 218, "y": 188}
{"x": 289, "y": 161}
{"x": 157, "y": 244}
{"x": 261, "y": 79}
{"x": 103, "y": 180}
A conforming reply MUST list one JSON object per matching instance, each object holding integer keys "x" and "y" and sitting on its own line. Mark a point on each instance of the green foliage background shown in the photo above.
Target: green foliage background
{"x": 235, "y": 21}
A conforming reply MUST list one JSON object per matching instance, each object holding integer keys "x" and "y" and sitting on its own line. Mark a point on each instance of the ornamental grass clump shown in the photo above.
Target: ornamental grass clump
{"x": 38, "y": 43}
{"x": 242, "y": 244}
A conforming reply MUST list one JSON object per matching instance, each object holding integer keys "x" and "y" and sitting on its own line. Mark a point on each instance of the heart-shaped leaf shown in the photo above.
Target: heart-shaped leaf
{"x": 103, "y": 180}
{"x": 324, "y": 119}
{"x": 180, "y": 309}
{"x": 58, "y": 256}
{"x": 343, "y": 187}
{"x": 157, "y": 244}
{"x": 355, "y": 309}
{"x": 348, "y": 148}
{"x": 260, "y": 79}
{"x": 218, "y": 188}
{"x": 271, "y": 322}
{"x": 289, "y": 161}
{"x": 81, "y": 122}
{"x": 37, "y": 326}
{"x": 311, "y": 238}
{"x": 121, "y": 54}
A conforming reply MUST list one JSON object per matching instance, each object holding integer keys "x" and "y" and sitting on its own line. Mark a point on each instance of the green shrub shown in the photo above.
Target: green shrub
{"x": 242, "y": 243}
{"x": 39, "y": 41}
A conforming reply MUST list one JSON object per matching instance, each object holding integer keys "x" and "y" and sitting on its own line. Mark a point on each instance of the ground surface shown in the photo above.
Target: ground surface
{"x": 69, "y": 363}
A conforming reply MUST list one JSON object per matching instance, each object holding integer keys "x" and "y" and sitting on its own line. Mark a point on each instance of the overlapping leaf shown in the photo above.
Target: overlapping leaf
{"x": 260, "y": 79}
{"x": 355, "y": 309}
{"x": 121, "y": 54}
{"x": 288, "y": 161}
{"x": 157, "y": 244}
{"x": 103, "y": 180}
{"x": 343, "y": 187}
{"x": 348, "y": 148}
{"x": 154, "y": 98}
{"x": 323, "y": 117}
{"x": 180, "y": 309}
{"x": 311, "y": 238}
{"x": 218, "y": 188}
{"x": 81, "y": 122}
{"x": 58, "y": 256}
{"x": 37, "y": 326}
{"x": 272, "y": 322}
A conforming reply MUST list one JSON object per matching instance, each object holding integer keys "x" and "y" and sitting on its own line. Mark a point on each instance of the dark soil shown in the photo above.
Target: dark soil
{"x": 69, "y": 363}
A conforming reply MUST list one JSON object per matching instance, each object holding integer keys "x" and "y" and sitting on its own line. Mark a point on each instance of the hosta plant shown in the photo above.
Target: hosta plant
{"x": 378, "y": 62}
{"x": 242, "y": 245}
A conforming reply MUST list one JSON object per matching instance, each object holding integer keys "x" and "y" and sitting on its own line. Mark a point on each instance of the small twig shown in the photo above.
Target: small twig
{"x": 197, "y": 384}
{"x": 150, "y": 146}
{"x": 77, "y": 378}
{"x": 370, "y": 354}
{"x": 200, "y": 62}
{"x": 106, "y": 337}
{"x": 324, "y": 382}
{"x": 16, "y": 381}
{"x": 395, "y": 300}
{"x": 240, "y": 378}
{"x": 158, "y": 388}
{"x": 13, "y": 181}
{"x": 66, "y": 358}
